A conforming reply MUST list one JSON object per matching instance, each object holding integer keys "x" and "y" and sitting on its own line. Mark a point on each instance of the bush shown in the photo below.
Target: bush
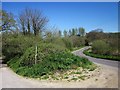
{"x": 100, "y": 47}
{"x": 117, "y": 58}
{"x": 15, "y": 45}
{"x": 14, "y": 63}
{"x": 77, "y": 41}
{"x": 68, "y": 43}
{"x": 51, "y": 58}
{"x": 43, "y": 52}
{"x": 114, "y": 44}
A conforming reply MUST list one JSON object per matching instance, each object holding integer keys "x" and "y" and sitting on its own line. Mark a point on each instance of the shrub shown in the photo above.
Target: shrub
{"x": 68, "y": 43}
{"x": 14, "y": 63}
{"x": 117, "y": 58}
{"x": 58, "y": 41}
{"x": 114, "y": 44}
{"x": 100, "y": 47}
{"x": 77, "y": 41}
{"x": 43, "y": 52}
{"x": 51, "y": 58}
{"x": 16, "y": 45}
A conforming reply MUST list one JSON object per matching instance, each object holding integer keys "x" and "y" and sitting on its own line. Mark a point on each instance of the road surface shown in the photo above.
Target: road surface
{"x": 107, "y": 78}
{"x": 96, "y": 60}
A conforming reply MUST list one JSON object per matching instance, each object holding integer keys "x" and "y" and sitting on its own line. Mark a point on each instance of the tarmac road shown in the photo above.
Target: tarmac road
{"x": 96, "y": 60}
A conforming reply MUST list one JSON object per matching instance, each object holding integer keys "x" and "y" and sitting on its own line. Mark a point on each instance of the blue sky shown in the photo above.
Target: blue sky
{"x": 67, "y": 15}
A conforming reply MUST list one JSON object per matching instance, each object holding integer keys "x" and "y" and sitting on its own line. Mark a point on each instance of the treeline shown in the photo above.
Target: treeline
{"x": 74, "y": 31}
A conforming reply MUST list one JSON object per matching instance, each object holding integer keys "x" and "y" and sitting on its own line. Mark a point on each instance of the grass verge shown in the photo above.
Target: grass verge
{"x": 89, "y": 53}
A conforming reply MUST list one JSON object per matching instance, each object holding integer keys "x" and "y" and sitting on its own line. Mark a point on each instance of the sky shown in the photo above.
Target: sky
{"x": 68, "y": 15}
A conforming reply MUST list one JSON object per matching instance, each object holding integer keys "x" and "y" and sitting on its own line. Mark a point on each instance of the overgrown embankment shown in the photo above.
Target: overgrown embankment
{"x": 50, "y": 59}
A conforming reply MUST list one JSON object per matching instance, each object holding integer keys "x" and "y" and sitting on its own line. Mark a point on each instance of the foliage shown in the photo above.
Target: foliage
{"x": 15, "y": 45}
{"x": 68, "y": 43}
{"x": 100, "y": 47}
{"x": 113, "y": 40}
{"x": 50, "y": 59}
{"x": 58, "y": 41}
{"x": 106, "y": 47}
{"x": 43, "y": 52}
{"x": 8, "y": 22}
{"x": 117, "y": 58}
{"x": 77, "y": 41}
{"x": 81, "y": 31}
{"x": 65, "y": 33}
{"x": 97, "y": 34}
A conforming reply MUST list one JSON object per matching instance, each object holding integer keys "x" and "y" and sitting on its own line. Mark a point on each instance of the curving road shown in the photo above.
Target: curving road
{"x": 107, "y": 65}
{"x": 96, "y": 60}
{"x": 108, "y": 77}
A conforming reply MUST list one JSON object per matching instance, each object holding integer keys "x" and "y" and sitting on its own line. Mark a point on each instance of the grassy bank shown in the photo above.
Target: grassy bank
{"x": 89, "y": 53}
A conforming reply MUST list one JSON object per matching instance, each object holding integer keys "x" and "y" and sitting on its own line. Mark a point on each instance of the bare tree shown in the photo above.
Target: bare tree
{"x": 22, "y": 22}
{"x": 28, "y": 13}
{"x": 38, "y": 22}
{"x": 25, "y": 20}
{"x": 31, "y": 19}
